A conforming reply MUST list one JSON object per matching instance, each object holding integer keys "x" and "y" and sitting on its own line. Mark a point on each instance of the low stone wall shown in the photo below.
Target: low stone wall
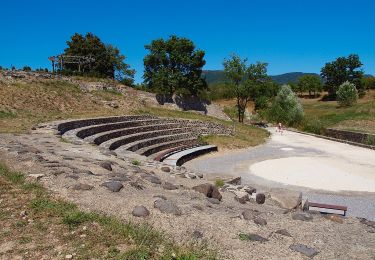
{"x": 159, "y": 140}
{"x": 193, "y": 155}
{"x": 348, "y": 135}
{"x": 165, "y": 146}
{"x": 70, "y": 125}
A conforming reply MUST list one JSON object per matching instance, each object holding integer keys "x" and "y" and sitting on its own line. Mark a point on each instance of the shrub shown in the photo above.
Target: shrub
{"x": 136, "y": 162}
{"x": 313, "y": 126}
{"x": 370, "y": 140}
{"x": 347, "y": 94}
{"x": 286, "y": 108}
{"x": 219, "y": 183}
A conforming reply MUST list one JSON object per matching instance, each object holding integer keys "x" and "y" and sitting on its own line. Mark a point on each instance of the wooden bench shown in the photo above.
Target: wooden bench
{"x": 326, "y": 208}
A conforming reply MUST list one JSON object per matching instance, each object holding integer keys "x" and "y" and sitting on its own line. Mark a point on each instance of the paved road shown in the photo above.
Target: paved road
{"x": 341, "y": 172}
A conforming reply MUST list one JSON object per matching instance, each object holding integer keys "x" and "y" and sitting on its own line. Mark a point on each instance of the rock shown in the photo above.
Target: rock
{"x": 199, "y": 175}
{"x": 302, "y": 216}
{"x": 234, "y": 181}
{"x": 165, "y": 169}
{"x": 168, "y": 207}
{"x": 160, "y": 197}
{"x": 151, "y": 178}
{"x": 286, "y": 198}
{"x": 307, "y": 251}
{"x": 169, "y": 186}
{"x": 137, "y": 185}
{"x": 253, "y": 237}
{"x": 82, "y": 186}
{"x": 208, "y": 190}
{"x": 191, "y": 176}
{"x": 241, "y": 196}
{"x": 335, "y": 218}
{"x": 260, "y": 221}
{"x": 249, "y": 214}
{"x": 36, "y": 177}
{"x": 213, "y": 200}
{"x": 283, "y": 232}
{"x": 250, "y": 190}
{"x": 114, "y": 186}
{"x": 197, "y": 234}
{"x": 260, "y": 198}
{"x": 69, "y": 257}
{"x": 140, "y": 211}
{"x": 198, "y": 207}
{"x": 74, "y": 177}
{"x": 121, "y": 178}
{"x": 23, "y": 214}
{"x": 106, "y": 165}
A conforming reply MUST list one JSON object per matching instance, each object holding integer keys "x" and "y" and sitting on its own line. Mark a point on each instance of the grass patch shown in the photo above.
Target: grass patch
{"x": 59, "y": 224}
{"x": 136, "y": 162}
{"x": 7, "y": 114}
{"x": 244, "y": 135}
{"x": 219, "y": 183}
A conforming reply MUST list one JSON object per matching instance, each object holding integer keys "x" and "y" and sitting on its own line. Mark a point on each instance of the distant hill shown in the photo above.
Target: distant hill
{"x": 216, "y": 76}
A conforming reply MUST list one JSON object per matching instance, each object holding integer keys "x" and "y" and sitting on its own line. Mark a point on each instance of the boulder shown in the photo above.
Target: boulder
{"x": 260, "y": 198}
{"x": 168, "y": 207}
{"x": 307, "y": 251}
{"x": 260, "y": 221}
{"x": 283, "y": 232}
{"x": 208, "y": 190}
{"x": 140, "y": 211}
{"x": 302, "y": 216}
{"x": 151, "y": 178}
{"x": 213, "y": 200}
{"x": 197, "y": 234}
{"x": 286, "y": 198}
{"x": 165, "y": 169}
{"x": 114, "y": 186}
{"x": 106, "y": 165}
{"x": 82, "y": 186}
{"x": 234, "y": 181}
{"x": 241, "y": 196}
{"x": 250, "y": 214}
{"x": 253, "y": 237}
{"x": 169, "y": 186}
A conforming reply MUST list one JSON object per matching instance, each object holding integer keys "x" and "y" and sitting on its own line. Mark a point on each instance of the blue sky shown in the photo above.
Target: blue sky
{"x": 290, "y": 35}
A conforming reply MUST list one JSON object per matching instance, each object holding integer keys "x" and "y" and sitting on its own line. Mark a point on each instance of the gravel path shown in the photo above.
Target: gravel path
{"x": 341, "y": 158}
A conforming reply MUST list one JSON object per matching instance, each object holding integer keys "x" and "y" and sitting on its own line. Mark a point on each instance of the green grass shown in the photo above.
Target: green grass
{"x": 327, "y": 114}
{"x": 142, "y": 240}
{"x": 7, "y": 114}
{"x": 136, "y": 162}
{"x": 219, "y": 183}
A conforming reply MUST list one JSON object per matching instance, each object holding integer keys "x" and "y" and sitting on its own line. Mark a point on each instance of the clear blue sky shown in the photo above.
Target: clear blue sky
{"x": 291, "y": 36}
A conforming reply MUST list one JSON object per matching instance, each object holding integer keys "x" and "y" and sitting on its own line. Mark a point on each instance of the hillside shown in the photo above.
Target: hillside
{"x": 215, "y": 76}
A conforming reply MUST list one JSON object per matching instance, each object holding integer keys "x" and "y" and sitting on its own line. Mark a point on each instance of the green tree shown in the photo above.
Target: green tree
{"x": 286, "y": 108}
{"x": 248, "y": 82}
{"x": 26, "y": 68}
{"x": 310, "y": 83}
{"x": 109, "y": 62}
{"x": 342, "y": 69}
{"x": 368, "y": 82}
{"x": 174, "y": 65}
{"x": 347, "y": 94}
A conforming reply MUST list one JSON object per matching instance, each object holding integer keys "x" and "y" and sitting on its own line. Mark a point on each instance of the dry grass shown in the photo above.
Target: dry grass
{"x": 23, "y": 105}
{"x": 34, "y": 225}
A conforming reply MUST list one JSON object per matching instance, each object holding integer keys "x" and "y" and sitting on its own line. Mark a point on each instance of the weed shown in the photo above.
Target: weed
{"x": 370, "y": 140}
{"x": 136, "y": 162}
{"x": 75, "y": 218}
{"x": 219, "y": 183}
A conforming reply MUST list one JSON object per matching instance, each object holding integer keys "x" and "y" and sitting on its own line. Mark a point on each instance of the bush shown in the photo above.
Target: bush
{"x": 219, "y": 183}
{"x": 370, "y": 140}
{"x": 286, "y": 108}
{"x": 314, "y": 126}
{"x": 347, "y": 94}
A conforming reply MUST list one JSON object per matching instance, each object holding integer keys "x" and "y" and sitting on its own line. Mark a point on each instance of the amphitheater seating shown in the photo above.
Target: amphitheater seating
{"x": 155, "y": 137}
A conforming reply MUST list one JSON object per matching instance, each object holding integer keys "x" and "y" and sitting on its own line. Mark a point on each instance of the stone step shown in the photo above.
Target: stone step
{"x": 134, "y": 146}
{"x": 177, "y": 159}
{"x": 165, "y": 153}
{"x": 115, "y": 143}
{"x": 152, "y": 149}
{"x": 73, "y": 124}
{"x": 112, "y": 134}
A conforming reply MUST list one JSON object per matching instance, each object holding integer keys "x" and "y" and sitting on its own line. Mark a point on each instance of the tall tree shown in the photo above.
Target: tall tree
{"x": 341, "y": 70}
{"x": 247, "y": 81}
{"x": 174, "y": 65}
{"x": 109, "y": 62}
{"x": 310, "y": 83}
